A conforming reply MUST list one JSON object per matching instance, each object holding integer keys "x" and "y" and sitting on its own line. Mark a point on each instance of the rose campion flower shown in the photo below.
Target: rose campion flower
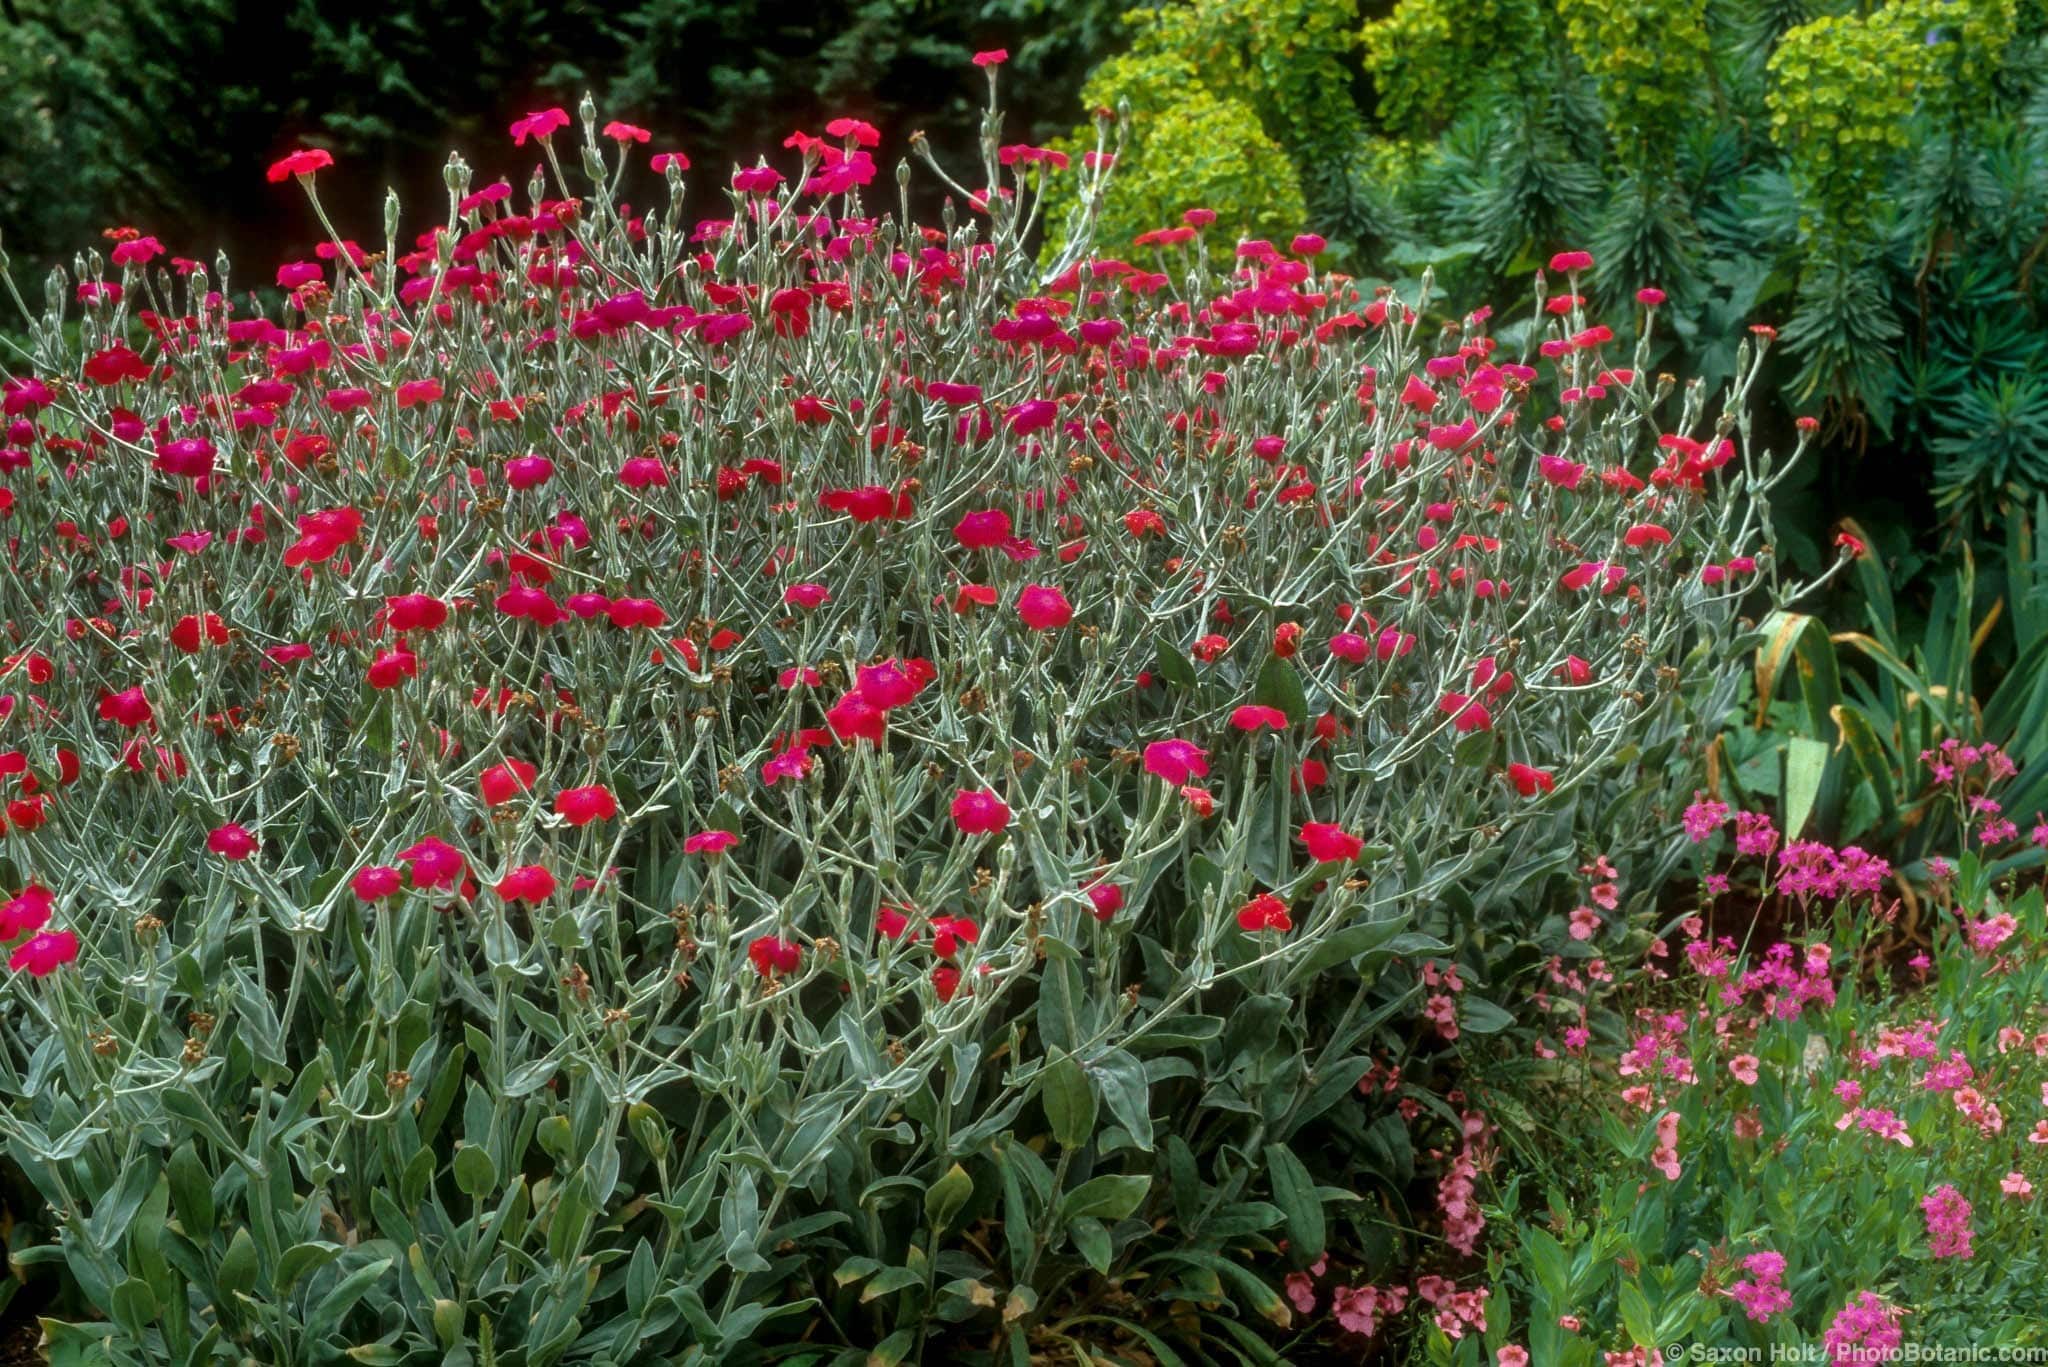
{"x": 231, "y": 842}
{"x": 504, "y": 781}
{"x": 1264, "y": 912}
{"x": 375, "y": 883}
{"x": 1330, "y": 844}
{"x": 983, "y": 530}
{"x": 415, "y": 612}
{"x": 581, "y": 806}
{"x": 128, "y": 708}
{"x": 44, "y": 953}
{"x": 807, "y": 596}
{"x": 1252, "y": 716}
{"x": 773, "y": 956}
{"x": 302, "y": 163}
{"x": 527, "y": 883}
{"x": 713, "y": 843}
{"x": 435, "y": 863}
{"x": 27, "y": 911}
{"x": 980, "y": 812}
{"x": 1044, "y": 608}
{"x": 392, "y": 668}
{"x": 1176, "y": 761}
{"x": 1107, "y": 900}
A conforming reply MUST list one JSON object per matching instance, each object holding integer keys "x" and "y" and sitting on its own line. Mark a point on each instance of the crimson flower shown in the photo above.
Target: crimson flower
{"x": 415, "y": 612}
{"x": 1264, "y": 912}
{"x": 980, "y": 812}
{"x": 1176, "y": 761}
{"x": 1466, "y": 715}
{"x": 302, "y": 163}
{"x": 375, "y": 883}
{"x": 710, "y": 842}
{"x": 854, "y": 718}
{"x": 29, "y": 910}
{"x": 1044, "y": 608}
{"x": 1328, "y": 843}
{"x": 527, "y": 883}
{"x": 982, "y": 530}
{"x": 44, "y": 953}
{"x": 435, "y": 863}
{"x": 127, "y": 708}
{"x": 537, "y": 125}
{"x": 1107, "y": 899}
{"x": 231, "y": 842}
{"x": 393, "y": 667}
{"x": 581, "y": 806}
{"x": 772, "y": 956}
{"x": 1252, "y": 716}
{"x": 502, "y": 782}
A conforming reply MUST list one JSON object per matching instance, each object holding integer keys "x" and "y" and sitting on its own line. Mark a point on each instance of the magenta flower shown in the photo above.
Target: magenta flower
{"x": 1044, "y": 608}
{"x": 28, "y": 910}
{"x": 528, "y": 883}
{"x": 1176, "y": 761}
{"x": 375, "y": 883}
{"x": 581, "y": 806}
{"x": 537, "y": 125}
{"x": 231, "y": 842}
{"x": 1329, "y": 844}
{"x": 980, "y": 812}
{"x": 435, "y": 863}
{"x": 44, "y": 953}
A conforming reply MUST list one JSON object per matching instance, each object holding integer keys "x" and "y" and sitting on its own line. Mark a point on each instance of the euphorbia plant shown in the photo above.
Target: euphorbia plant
{"x": 597, "y": 787}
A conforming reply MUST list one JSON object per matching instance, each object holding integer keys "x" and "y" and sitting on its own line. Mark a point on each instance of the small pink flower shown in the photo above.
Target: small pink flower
{"x": 1743, "y": 1066}
{"x": 1664, "y": 1158}
{"x": 710, "y": 842}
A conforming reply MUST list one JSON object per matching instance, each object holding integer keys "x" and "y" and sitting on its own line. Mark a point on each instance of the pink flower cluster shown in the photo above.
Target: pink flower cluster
{"x": 1762, "y": 1293}
{"x": 1948, "y": 1223}
{"x": 1866, "y": 1330}
{"x": 1456, "y": 1192}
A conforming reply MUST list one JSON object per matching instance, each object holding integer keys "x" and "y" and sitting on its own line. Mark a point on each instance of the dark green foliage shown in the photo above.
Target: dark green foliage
{"x": 164, "y": 113}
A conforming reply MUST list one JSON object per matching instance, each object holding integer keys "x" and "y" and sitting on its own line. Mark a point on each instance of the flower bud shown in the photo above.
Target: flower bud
{"x": 390, "y": 213}
{"x": 455, "y": 175}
